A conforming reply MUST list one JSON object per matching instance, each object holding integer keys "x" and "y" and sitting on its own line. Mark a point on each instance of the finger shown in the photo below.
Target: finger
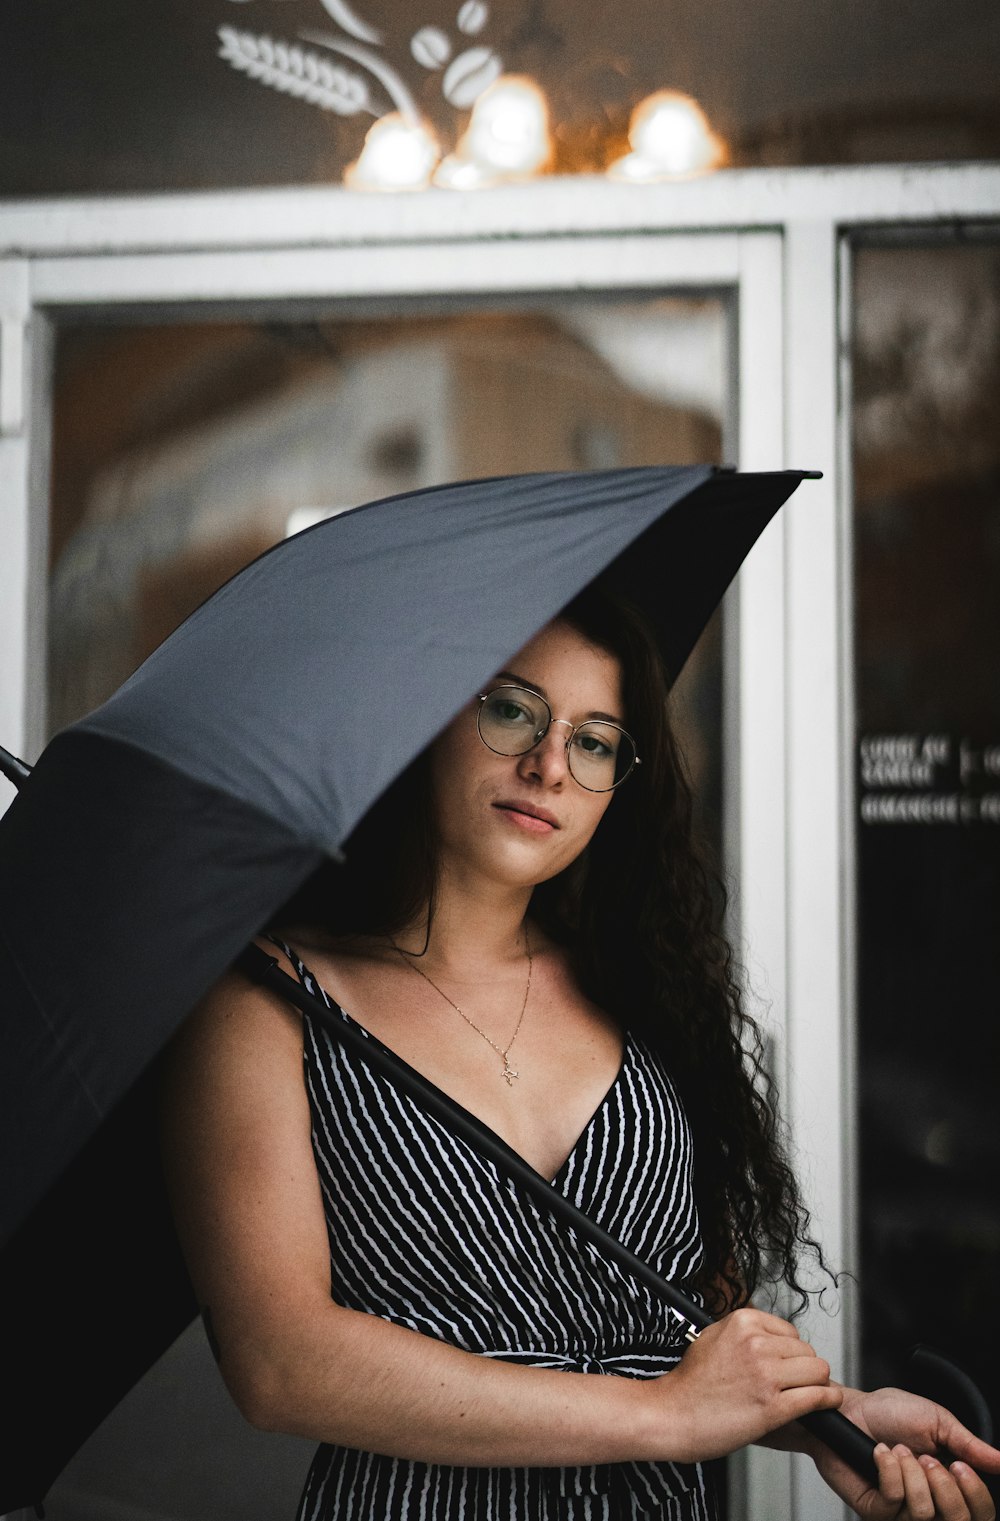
{"x": 965, "y": 1445}
{"x": 763, "y": 1320}
{"x": 890, "y": 1476}
{"x": 977, "y": 1497}
{"x": 793, "y": 1404}
{"x": 919, "y": 1502}
{"x": 949, "y": 1500}
{"x": 797, "y": 1372}
{"x": 789, "y": 1350}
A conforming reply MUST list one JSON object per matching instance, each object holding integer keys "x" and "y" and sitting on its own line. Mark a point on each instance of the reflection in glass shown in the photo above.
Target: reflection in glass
{"x": 927, "y": 588}
{"x": 181, "y": 453}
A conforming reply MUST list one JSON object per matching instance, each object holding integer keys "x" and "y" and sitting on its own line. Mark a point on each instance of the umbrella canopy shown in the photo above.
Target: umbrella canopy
{"x": 156, "y": 836}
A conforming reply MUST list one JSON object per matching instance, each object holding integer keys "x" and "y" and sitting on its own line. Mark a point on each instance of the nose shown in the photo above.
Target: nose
{"x": 548, "y": 760}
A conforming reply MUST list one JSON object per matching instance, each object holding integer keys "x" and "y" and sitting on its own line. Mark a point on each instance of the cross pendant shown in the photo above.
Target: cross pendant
{"x": 509, "y": 1072}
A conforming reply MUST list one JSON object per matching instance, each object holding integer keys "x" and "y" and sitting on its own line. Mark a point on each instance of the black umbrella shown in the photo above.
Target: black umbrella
{"x": 158, "y": 834}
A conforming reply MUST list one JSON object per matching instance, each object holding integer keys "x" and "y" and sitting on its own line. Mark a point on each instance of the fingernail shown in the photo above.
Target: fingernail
{"x": 928, "y": 1462}
{"x": 881, "y": 1447}
{"x": 960, "y": 1468}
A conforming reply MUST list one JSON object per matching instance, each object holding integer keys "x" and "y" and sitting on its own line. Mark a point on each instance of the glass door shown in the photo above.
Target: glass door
{"x": 182, "y": 450}
{"x": 925, "y": 423}
{"x": 182, "y": 384}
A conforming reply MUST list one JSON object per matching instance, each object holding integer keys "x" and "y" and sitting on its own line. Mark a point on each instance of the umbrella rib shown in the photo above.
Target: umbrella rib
{"x": 52, "y": 1032}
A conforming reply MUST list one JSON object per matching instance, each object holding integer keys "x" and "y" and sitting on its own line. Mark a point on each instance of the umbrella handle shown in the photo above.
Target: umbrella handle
{"x": 14, "y": 770}
{"x": 848, "y": 1441}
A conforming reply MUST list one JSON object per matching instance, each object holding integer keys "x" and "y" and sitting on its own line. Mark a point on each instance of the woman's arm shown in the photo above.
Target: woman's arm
{"x": 240, "y": 1168}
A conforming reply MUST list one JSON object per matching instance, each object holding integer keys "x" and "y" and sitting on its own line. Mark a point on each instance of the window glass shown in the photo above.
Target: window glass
{"x": 182, "y": 452}
{"x": 926, "y": 429}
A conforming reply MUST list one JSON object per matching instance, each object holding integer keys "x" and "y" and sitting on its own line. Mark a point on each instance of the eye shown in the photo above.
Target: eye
{"x": 594, "y": 746}
{"x": 515, "y": 712}
{"x": 504, "y": 709}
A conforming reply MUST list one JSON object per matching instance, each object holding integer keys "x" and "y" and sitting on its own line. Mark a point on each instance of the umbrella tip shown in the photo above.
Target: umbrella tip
{"x": 803, "y": 475}
{"x": 14, "y": 770}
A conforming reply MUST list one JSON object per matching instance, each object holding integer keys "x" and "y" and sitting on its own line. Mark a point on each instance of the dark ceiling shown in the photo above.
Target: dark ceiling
{"x": 117, "y": 95}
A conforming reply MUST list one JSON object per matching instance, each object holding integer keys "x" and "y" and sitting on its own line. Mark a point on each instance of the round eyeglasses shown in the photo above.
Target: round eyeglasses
{"x": 513, "y": 720}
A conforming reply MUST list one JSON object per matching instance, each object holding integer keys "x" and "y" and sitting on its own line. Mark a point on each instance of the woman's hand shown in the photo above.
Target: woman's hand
{"x": 919, "y": 1479}
{"x": 745, "y": 1376}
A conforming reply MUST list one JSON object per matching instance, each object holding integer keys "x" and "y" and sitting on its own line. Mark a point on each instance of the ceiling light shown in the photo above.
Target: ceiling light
{"x": 397, "y": 155}
{"x": 507, "y": 137}
{"x": 671, "y": 138}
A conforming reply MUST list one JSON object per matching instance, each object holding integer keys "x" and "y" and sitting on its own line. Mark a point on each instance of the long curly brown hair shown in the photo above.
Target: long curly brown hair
{"x": 643, "y": 911}
{"x": 640, "y": 913}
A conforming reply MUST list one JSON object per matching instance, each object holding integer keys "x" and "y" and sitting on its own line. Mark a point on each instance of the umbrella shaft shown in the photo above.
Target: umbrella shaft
{"x": 848, "y": 1441}
{"x": 14, "y": 770}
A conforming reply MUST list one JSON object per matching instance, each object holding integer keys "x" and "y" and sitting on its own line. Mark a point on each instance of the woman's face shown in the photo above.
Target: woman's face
{"x": 520, "y": 819}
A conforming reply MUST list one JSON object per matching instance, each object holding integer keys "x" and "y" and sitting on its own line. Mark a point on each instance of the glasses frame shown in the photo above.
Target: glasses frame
{"x": 574, "y": 729}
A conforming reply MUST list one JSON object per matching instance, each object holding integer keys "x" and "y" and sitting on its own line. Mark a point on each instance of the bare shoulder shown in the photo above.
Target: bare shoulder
{"x": 347, "y": 967}
{"x": 239, "y": 1052}
{"x": 236, "y": 1011}
{"x": 311, "y": 942}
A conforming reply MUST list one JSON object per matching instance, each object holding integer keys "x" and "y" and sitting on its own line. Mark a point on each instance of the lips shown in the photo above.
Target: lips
{"x": 529, "y": 816}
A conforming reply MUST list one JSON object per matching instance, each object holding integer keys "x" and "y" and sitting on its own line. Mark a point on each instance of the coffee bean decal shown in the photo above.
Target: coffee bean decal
{"x": 469, "y": 75}
{"x": 430, "y": 46}
{"x": 472, "y": 17}
{"x": 290, "y": 69}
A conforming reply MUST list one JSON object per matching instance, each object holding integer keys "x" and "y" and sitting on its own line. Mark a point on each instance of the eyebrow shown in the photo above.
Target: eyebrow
{"x": 533, "y": 686}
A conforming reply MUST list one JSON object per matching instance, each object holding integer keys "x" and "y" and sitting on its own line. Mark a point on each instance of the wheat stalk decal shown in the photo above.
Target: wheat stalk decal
{"x": 312, "y": 77}
{"x": 295, "y": 71}
{"x": 352, "y": 24}
{"x": 383, "y": 72}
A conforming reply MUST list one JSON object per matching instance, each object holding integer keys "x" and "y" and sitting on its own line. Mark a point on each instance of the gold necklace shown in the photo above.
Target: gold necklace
{"x": 508, "y": 1072}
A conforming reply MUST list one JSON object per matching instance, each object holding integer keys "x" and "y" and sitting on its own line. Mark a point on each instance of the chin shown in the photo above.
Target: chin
{"x": 535, "y": 867}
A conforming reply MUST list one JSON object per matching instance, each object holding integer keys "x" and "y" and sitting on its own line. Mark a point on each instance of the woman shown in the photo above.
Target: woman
{"x": 523, "y": 919}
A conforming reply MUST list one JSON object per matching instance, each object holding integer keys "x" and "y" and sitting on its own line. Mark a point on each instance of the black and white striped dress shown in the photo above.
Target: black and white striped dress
{"x": 427, "y": 1234}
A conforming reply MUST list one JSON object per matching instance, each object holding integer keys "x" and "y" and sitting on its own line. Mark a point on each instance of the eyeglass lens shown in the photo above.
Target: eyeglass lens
{"x": 513, "y": 720}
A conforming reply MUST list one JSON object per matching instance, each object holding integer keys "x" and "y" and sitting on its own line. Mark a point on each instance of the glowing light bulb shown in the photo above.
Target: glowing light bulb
{"x": 670, "y": 137}
{"x": 509, "y": 127}
{"x": 397, "y": 155}
{"x": 507, "y": 137}
{"x": 457, "y": 173}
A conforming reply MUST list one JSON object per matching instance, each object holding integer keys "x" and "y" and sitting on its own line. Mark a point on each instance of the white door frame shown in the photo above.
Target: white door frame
{"x": 779, "y": 241}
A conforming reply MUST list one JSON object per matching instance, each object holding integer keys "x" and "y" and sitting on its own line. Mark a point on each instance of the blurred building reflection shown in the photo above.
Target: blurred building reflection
{"x": 171, "y": 512}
